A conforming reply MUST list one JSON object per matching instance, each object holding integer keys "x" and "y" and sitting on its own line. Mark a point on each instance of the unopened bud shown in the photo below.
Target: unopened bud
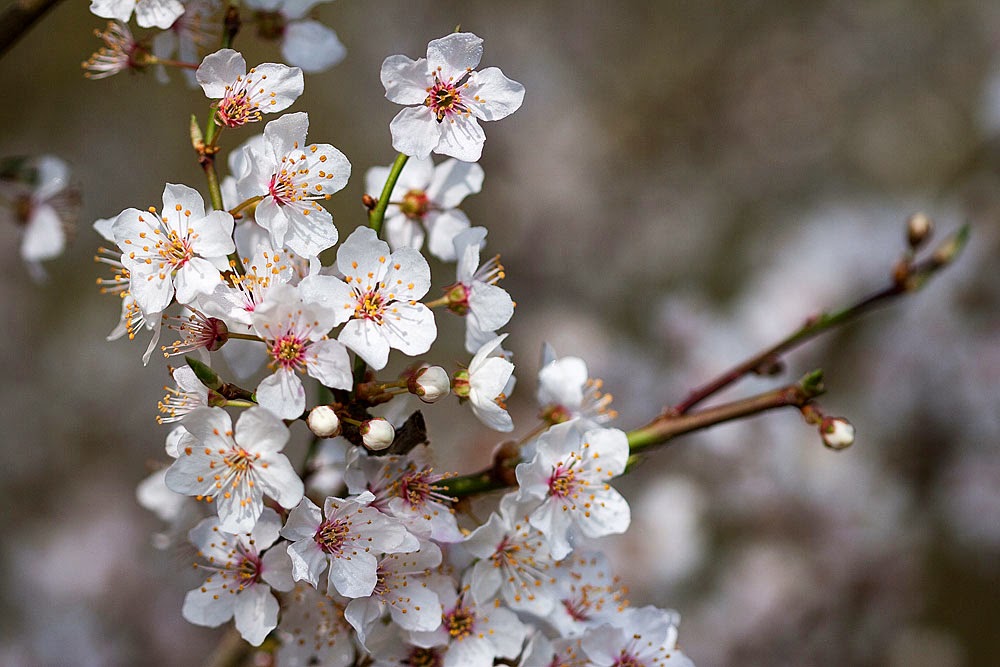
{"x": 323, "y": 421}
{"x": 204, "y": 372}
{"x": 837, "y": 432}
{"x": 377, "y": 434}
{"x": 430, "y": 384}
{"x": 918, "y": 229}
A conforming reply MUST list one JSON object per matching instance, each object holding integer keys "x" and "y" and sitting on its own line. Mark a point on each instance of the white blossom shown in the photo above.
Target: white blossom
{"x": 148, "y": 13}
{"x": 565, "y": 391}
{"x": 377, "y": 298}
{"x": 292, "y": 178}
{"x": 305, "y": 43}
{"x": 242, "y": 575}
{"x": 313, "y": 631}
{"x": 646, "y": 636}
{"x": 569, "y": 474}
{"x": 475, "y": 294}
{"x": 423, "y": 202}
{"x": 447, "y": 98}
{"x": 176, "y": 252}
{"x": 513, "y": 560}
{"x": 244, "y": 96}
{"x": 295, "y": 333}
{"x": 485, "y": 384}
{"x": 235, "y": 470}
{"x": 402, "y": 590}
{"x": 475, "y": 635}
{"x": 345, "y": 539}
{"x": 408, "y": 488}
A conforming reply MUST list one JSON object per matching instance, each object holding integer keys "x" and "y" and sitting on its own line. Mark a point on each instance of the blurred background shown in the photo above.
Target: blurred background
{"x": 685, "y": 183}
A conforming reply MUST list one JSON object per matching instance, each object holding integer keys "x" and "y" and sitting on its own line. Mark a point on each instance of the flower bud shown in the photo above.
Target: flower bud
{"x": 918, "y": 229}
{"x": 430, "y": 384}
{"x": 323, "y": 421}
{"x": 377, "y": 434}
{"x": 837, "y": 432}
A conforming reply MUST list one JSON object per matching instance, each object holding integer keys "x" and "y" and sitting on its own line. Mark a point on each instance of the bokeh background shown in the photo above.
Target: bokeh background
{"x": 685, "y": 183}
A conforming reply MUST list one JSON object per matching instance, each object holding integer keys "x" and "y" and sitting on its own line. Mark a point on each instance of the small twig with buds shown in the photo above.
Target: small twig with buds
{"x": 658, "y": 432}
{"x": 907, "y": 276}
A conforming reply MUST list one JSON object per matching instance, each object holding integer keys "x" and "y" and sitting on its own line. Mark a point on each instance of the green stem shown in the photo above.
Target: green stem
{"x": 243, "y": 336}
{"x": 375, "y": 219}
{"x": 377, "y": 215}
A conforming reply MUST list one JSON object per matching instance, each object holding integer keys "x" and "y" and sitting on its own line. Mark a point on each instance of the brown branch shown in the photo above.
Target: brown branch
{"x": 661, "y": 430}
{"x": 908, "y": 276}
{"x": 17, "y": 19}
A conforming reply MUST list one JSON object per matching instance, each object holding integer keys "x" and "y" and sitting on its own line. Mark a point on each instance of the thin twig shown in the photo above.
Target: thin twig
{"x": 17, "y": 19}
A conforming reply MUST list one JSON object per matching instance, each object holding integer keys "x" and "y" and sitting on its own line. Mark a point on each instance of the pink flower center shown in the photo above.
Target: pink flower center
{"x": 332, "y": 535}
{"x": 563, "y": 482}
{"x": 445, "y": 100}
{"x": 248, "y": 571}
{"x": 176, "y": 251}
{"x": 282, "y": 188}
{"x": 628, "y": 661}
{"x": 371, "y": 306}
{"x": 289, "y": 352}
{"x": 236, "y": 108}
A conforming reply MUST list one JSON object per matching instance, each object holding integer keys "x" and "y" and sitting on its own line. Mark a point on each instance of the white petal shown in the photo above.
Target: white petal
{"x": 408, "y": 277}
{"x": 454, "y": 54}
{"x": 308, "y": 561}
{"x": 283, "y": 394}
{"x": 256, "y": 613}
{"x": 210, "y": 607}
{"x": 444, "y": 228}
{"x": 405, "y": 80}
{"x": 287, "y": 133}
{"x": 259, "y": 431}
{"x": 276, "y": 568}
{"x": 197, "y": 276}
{"x": 368, "y": 340}
{"x": 284, "y": 86}
{"x": 218, "y": 70}
{"x": 411, "y": 330}
{"x": 454, "y": 180}
{"x": 354, "y": 577}
{"x": 495, "y": 95}
{"x": 44, "y": 236}
{"x": 401, "y": 232}
{"x": 311, "y": 46}
{"x": 416, "y": 132}
{"x": 280, "y": 481}
{"x": 157, "y": 13}
{"x": 490, "y": 306}
{"x": 330, "y": 364}
{"x": 310, "y": 232}
{"x": 461, "y": 137}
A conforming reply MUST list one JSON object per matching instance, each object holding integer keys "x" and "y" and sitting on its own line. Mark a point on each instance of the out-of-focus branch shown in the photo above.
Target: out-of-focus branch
{"x": 18, "y": 18}
{"x": 232, "y": 651}
{"x": 908, "y": 276}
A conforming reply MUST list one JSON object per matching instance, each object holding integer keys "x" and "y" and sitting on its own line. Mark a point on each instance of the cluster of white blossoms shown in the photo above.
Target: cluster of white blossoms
{"x": 375, "y": 567}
